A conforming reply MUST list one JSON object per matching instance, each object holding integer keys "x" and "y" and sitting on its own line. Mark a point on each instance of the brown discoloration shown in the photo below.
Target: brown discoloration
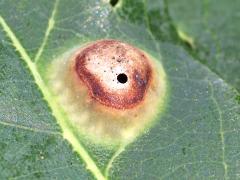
{"x": 98, "y": 64}
{"x": 85, "y": 83}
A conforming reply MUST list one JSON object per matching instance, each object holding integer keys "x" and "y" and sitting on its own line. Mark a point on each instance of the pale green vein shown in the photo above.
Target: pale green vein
{"x": 110, "y": 163}
{"x": 56, "y": 109}
{"x": 221, "y": 131}
{"x": 50, "y": 26}
{"x": 28, "y": 128}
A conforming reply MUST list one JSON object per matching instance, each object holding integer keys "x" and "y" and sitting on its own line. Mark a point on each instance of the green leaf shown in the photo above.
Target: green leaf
{"x": 196, "y": 137}
{"x": 213, "y": 26}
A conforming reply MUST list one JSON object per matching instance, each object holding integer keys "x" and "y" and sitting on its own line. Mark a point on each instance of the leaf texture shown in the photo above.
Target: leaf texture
{"x": 196, "y": 137}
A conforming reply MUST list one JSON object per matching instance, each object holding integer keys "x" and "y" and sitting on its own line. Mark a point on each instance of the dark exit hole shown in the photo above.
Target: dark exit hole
{"x": 122, "y": 78}
{"x": 113, "y": 2}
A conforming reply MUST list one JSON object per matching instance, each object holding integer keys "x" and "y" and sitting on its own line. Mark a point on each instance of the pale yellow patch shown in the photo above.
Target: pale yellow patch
{"x": 98, "y": 122}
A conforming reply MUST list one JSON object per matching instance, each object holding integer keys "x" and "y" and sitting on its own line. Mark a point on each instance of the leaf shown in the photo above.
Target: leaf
{"x": 195, "y": 138}
{"x": 214, "y": 28}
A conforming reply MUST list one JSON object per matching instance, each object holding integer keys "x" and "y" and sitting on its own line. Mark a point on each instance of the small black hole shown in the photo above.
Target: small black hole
{"x": 122, "y": 78}
{"x": 113, "y": 2}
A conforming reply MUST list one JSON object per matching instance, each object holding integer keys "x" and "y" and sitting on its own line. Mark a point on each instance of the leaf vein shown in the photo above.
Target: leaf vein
{"x": 56, "y": 109}
{"x": 28, "y": 128}
{"x": 51, "y": 23}
{"x": 221, "y": 131}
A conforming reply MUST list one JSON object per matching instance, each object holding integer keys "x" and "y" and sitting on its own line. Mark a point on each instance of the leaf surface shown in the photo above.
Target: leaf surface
{"x": 196, "y": 137}
{"x": 213, "y": 27}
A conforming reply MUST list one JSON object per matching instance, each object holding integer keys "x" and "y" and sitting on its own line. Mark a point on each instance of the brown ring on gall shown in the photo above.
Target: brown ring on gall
{"x": 99, "y": 66}
{"x": 110, "y": 91}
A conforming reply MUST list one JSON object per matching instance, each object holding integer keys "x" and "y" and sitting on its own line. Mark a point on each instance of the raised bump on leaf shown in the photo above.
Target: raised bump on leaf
{"x": 109, "y": 89}
{"x": 103, "y": 68}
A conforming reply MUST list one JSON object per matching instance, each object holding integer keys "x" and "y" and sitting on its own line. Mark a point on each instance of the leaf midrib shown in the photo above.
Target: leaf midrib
{"x": 56, "y": 109}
